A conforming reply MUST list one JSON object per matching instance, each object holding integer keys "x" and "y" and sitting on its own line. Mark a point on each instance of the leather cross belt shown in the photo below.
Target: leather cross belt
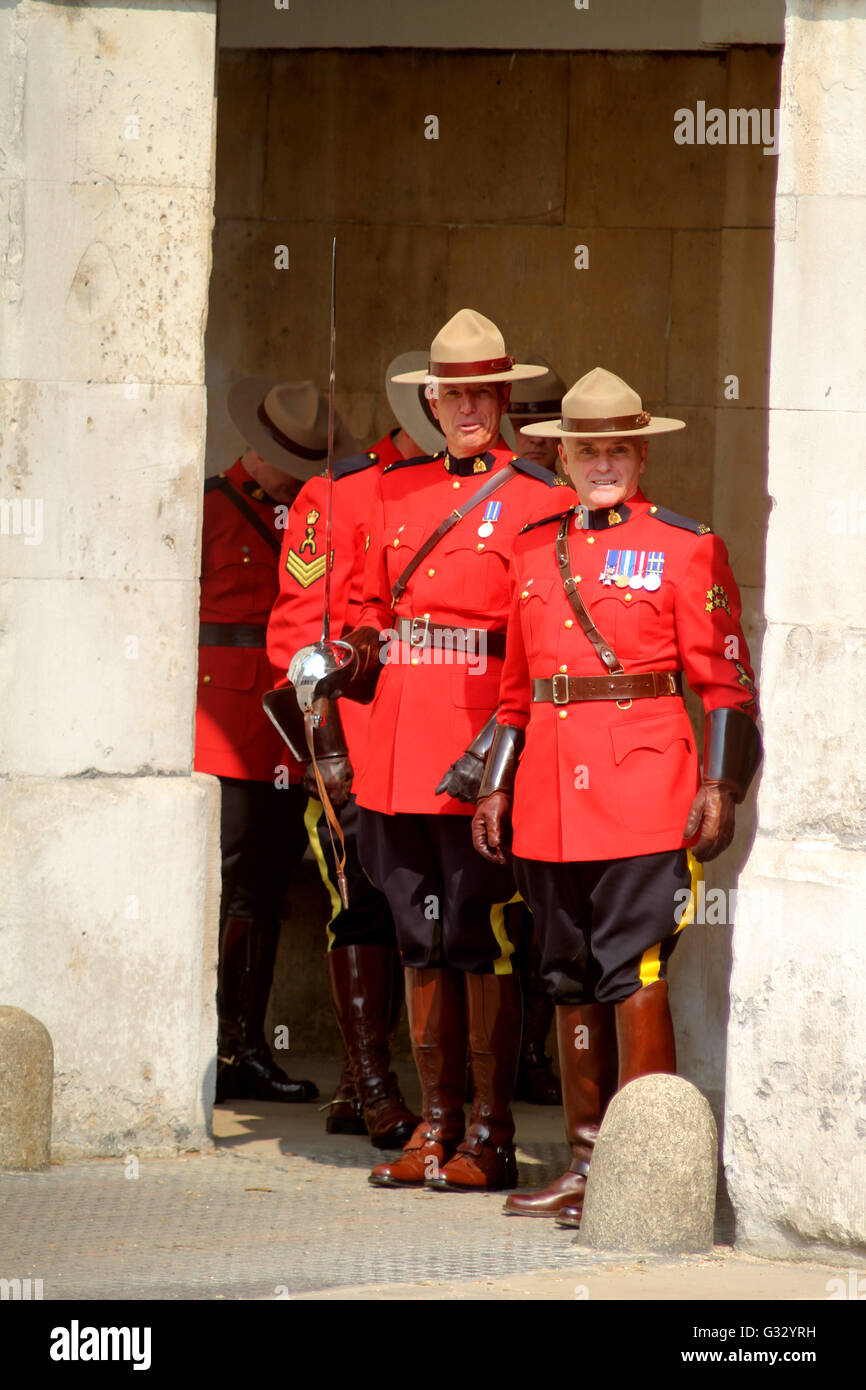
{"x": 420, "y": 632}
{"x": 231, "y": 634}
{"x": 567, "y": 690}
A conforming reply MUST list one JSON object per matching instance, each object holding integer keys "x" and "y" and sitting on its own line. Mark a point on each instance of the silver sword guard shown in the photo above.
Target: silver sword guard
{"x": 311, "y": 666}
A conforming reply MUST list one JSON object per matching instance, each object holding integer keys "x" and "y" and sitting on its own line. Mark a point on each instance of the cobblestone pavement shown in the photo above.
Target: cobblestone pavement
{"x": 279, "y": 1209}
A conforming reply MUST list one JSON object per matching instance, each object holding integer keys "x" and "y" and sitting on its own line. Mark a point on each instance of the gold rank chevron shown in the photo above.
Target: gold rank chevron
{"x": 306, "y": 572}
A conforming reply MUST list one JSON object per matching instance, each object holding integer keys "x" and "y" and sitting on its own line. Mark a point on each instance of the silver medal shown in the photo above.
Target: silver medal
{"x": 486, "y": 528}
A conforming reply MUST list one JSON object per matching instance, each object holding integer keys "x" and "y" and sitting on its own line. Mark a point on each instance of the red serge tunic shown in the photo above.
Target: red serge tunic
{"x": 233, "y": 736}
{"x": 596, "y": 781}
{"x": 296, "y": 617}
{"x": 428, "y": 709}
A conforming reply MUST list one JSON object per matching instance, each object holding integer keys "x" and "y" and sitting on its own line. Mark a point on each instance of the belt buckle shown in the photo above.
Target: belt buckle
{"x": 414, "y": 639}
{"x": 557, "y": 700}
{"x": 672, "y": 682}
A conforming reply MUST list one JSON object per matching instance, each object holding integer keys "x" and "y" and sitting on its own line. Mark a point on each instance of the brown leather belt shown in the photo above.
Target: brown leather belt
{"x": 420, "y": 632}
{"x": 231, "y": 634}
{"x": 567, "y": 690}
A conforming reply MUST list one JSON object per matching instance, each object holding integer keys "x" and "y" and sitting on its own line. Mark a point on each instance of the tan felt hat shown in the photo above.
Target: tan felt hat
{"x": 469, "y": 349}
{"x": 410, "y": 404}
{"x": 286, "y": 422}
{"x": 602, "y": 403}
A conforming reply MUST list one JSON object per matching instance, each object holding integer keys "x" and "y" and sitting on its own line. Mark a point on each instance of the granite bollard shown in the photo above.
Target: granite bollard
{"x": 26, "y": 1090}
{"x": 652, "y": 1181}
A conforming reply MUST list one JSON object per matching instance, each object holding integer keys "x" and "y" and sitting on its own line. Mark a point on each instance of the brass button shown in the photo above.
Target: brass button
{"x": 628, "y": 598}
{"x": 426, "y": 615}
{"x": 653, "y": 509}
{"x": 413, "y": 660}
{"x": 246, "y": 559}
{"x": 430, "y": 574}
{"x": 480, "y": 545}
{"x": 396, "y": 541}
{"x": 205, "y": 680}
{"x": 563, "y": 669}
{"x": 569, "y": 622}
{"x": 455, "y": 483}
{"x": 578, "y": 578}
{"x": 525, "y": 594}
{"x": 590, "y": 540}
{"x": 563, "y": 714}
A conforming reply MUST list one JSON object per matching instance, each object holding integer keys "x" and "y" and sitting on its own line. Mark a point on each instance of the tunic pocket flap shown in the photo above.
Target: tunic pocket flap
{"x": 656, "y": 734}
{"x": 228, "y": 668}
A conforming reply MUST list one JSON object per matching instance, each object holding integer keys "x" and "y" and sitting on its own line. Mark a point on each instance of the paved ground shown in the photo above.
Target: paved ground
{"x": 279, "y": 1209}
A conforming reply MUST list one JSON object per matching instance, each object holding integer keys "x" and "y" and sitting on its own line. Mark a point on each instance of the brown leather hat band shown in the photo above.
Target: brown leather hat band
{"x": 285, "y": 442}
{"x": 609, "y": 425}
{"x": 486, "y": 368}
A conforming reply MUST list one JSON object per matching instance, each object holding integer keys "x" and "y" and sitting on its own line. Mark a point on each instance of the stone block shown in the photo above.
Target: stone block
{"x": 693, "y": 345}
{"x": 131, "y": 502}
{"x": 652, "y": 1181}
{"x": 795, "y": 1126}
{"x": 346, "y": 137}
{"x": 624, "y": 167}
{"x": 679, "y": 471}
{"x": 824, "y": 98}
{"x": 818, "y": 360}
{"x": 96, "y": 109}
{"x": 741, "y": 507}
{"x": 814, "y": 782}
{"x": 242, "y": 105}
{"x": 26, "y": 1087}
{"x": 525, "y": 279}
{"x": 116, "y": 958}
{"x": 754, "y": 76}
{"x": 829, "y": 527}
{"x": 121, "y": 282}
{"x": 100, "y": 674}
{"x": 745, "y": 288}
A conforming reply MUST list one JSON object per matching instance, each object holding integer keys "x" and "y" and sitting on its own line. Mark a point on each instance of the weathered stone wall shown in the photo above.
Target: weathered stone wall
{"x": 108, "y": 909}
{"x": 537, "y": 153}
{"x": 796, "y": 1105}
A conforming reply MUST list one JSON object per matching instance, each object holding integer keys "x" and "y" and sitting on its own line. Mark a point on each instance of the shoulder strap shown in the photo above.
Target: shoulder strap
{"x": 496, "y": 480}
{"x": 604, "y": 650}
{"x": 247, "y": 511}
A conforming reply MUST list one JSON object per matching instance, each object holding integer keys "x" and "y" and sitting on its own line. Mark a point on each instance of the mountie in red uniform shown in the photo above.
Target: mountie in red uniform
{"x": 363, "y": 961}
{"x": 261, "y": 823}
{"x": 618, "y": 777}
{"x": 432, "y": 701}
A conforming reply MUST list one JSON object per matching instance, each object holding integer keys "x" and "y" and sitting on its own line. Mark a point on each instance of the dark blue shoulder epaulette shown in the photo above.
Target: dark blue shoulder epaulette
{"x": 542, "y": 521}
{"x": 355, "y": 463}
{"x": 685, "y": 523}
{"x": 410, "y": 463}
{"x": 216, "y": 480}
{"x": 535, "y": 470}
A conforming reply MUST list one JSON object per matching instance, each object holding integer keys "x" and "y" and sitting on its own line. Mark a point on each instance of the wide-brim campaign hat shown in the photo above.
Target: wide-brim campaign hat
{"x": 469, "y": 349}
{"x": 410, "y": 404}
{"x": 286, "y": 422}
{"x": 602, "y": 403}
{"x": 537, "y": 398}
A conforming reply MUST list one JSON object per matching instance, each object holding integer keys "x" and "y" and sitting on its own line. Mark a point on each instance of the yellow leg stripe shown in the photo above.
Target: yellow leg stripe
{"x": 502, "y": 966}
{"x": 650, "y": 961}
{"x": 696, "y": 873}
{"x": 311, "y": 821}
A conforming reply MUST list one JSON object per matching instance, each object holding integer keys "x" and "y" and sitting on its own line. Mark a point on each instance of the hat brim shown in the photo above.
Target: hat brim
{"x": 242, "y": 403}
{"x": 521, "y": 371}
{"x": 409, "y": 408}
{"x": 550, "y": 429}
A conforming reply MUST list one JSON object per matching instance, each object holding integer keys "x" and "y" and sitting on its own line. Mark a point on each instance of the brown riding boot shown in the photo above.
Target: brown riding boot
{"x": 344, "y": 1109}
{"x": 587, "y": 1061}
{"x": 485, "y": 1161}
{"x": 645, "y": 1042}
{"x": 362, "y": 990}
{"x": 437, "y": 1022}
